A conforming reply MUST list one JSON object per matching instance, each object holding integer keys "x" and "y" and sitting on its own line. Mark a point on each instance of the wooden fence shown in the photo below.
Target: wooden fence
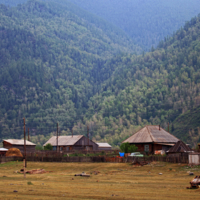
{"x": 61, "y": 158}
{"x": 9, "y": 159}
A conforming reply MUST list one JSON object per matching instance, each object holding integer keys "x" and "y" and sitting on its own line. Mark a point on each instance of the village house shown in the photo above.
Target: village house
{"x": 19, "y": 144}
{"x": 71, "y": 143}
{"x": 152, "y": 138}
{"x": 104, "y": 147}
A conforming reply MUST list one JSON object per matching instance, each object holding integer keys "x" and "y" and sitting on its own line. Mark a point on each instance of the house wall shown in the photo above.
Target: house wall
{"x": 84, "y": 142}
{"x": 141, "y": 147}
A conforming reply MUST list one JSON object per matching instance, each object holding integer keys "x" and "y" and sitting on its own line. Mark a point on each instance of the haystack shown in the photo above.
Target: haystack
{"x": 14, "y": 152}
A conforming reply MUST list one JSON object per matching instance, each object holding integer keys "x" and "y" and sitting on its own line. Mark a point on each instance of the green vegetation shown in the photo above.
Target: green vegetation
{"x": 39, "y": 147}
{"x": 128, "y": 148}
{"x": 48, "y": 147}
{"x": 49, "y": 64}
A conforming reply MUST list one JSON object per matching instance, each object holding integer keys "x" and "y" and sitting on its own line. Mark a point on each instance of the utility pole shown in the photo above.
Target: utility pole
{"x": 57, "y": 139}
{"x": 25, "y": 143}
{"x": 88, "y": 135}
{"x": 168, "y": 126}
{"x": 28, "y": 135}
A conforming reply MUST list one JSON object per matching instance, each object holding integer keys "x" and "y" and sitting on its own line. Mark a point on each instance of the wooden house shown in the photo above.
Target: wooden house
{"x": 152, "y": 138}
{"x": 71, "y": 143}
{"x": 104, "y": 147}
{"x": 19, "y": 144}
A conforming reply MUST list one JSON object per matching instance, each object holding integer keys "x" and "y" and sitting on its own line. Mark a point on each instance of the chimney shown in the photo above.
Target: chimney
{"x": 72, "y": 132}
{"x": 159, "y": 127}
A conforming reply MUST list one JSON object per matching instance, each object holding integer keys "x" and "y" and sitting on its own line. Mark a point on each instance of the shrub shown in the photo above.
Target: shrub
{"x": 39, "y": 147}
{"x": 128, "y": 148}
{"x": 48, "y": 147}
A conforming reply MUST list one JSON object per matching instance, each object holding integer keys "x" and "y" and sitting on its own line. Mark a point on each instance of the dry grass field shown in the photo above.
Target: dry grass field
{"x": 115, "y": 181}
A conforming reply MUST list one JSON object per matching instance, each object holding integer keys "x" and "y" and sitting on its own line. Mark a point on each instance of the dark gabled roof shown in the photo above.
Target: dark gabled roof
{"x": 150, "y": 134}
{"x": 180, "y": 147}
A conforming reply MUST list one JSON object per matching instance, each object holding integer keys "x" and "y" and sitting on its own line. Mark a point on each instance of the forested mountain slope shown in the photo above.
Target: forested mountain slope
{"x": 146, "y": 21}
{"x": 154, "y": 88}
{"x": 49, "y": 59}
{"x": 56, "y": 66}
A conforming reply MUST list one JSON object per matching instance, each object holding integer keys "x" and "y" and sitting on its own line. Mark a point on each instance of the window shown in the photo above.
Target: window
{"x": 146, "y": 148}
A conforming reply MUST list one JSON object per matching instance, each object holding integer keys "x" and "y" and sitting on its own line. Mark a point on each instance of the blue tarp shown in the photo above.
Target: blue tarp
{"x": 121, "y": 154}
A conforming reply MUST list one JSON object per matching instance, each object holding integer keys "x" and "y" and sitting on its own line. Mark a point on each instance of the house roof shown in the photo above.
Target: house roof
{"x": 180, "y": 147}
{"x": 104, "y": 145}
{"x": 64, "y": 140}
{"x": 19, "y": 142}
{"x": 150, "y": 134}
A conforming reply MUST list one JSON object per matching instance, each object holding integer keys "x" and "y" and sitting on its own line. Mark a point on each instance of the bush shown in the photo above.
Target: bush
{"x": 39, "y": 147}
{"x": 128, "y": 148}
{"x": 48, "y": 147}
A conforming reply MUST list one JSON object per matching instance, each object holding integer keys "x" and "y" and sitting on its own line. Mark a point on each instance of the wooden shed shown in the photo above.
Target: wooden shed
{"x": 71, "y": 143}
{"x": 104, "y": 146}
{"x": 152, "y": 138}
{"x": 194, "y": 158}
{"x": 3, "y": 151}
{"x": 179, "y": 148}
{"x": 19, "y": 144}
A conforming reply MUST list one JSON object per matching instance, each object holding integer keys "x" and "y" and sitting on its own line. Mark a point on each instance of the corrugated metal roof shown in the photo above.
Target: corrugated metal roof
{"x": 103, "y": 145}
{"x": 150, "y": 134}
{"x": 19, "y": 142}
{"x": 64, "y": 140}
{"x": 180, "y": 147}
{"x": 3, "y": 149}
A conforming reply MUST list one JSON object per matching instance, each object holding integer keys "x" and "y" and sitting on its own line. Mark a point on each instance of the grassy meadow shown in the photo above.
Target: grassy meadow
{"x": 107, "y": 181}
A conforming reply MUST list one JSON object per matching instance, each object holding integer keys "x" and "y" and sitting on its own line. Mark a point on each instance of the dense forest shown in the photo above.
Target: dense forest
{"x": 63, "y": 65}
{"x": 154, "y": 88}
{"x": 49, "y": 63}
{"x": 147, "y": 22}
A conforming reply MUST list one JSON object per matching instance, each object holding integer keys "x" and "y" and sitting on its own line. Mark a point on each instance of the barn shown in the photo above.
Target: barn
{"x": 152, "y": 138}
{"x": 19, "y": 144}
{"x": 71, "y": 143}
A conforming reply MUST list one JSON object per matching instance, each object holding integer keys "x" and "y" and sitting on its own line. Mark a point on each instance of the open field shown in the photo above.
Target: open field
{"x": 115, "y": 181}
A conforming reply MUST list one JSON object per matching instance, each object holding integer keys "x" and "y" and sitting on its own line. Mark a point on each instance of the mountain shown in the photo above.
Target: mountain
{"x": 49, "y": 65}
{"x": 153, "y": 88}
{"x": 146, "y": 21}
{"x": 61, "y": 64}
